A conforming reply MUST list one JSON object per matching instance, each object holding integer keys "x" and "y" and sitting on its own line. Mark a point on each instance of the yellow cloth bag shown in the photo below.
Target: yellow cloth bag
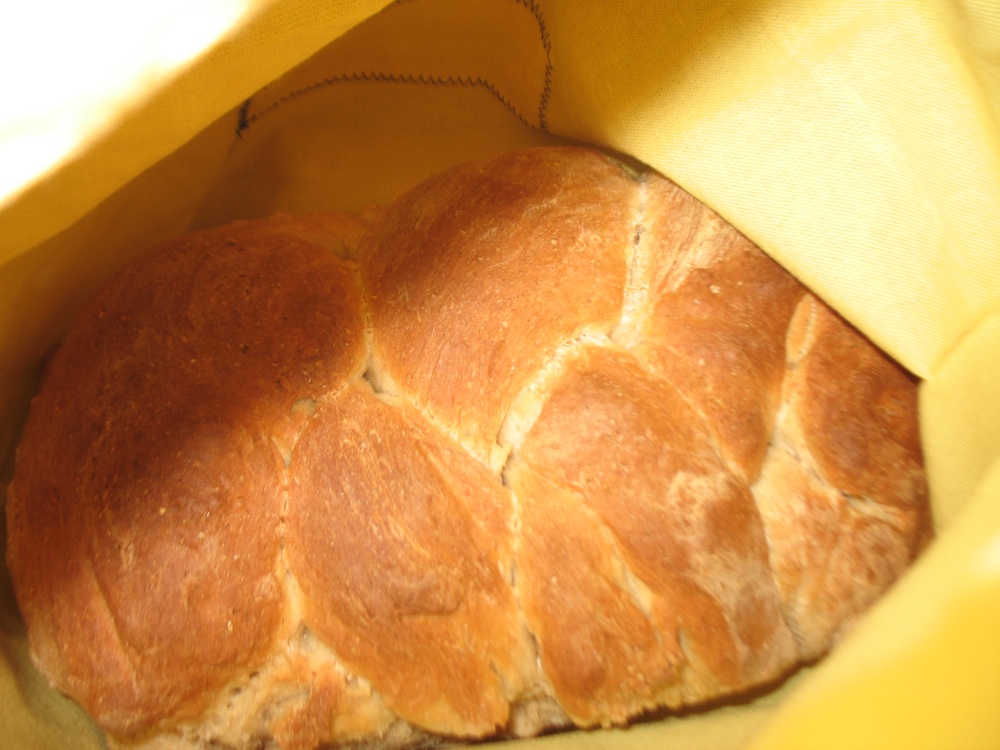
{"x": 858, "y": 143}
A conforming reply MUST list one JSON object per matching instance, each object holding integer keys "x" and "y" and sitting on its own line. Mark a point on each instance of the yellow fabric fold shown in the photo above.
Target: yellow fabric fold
{"x": 851, "y": 140}
{"x": 153, "y": 121}
{"x": 920, "y": 671}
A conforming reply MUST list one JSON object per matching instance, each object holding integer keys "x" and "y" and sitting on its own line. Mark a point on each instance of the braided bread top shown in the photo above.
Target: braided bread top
{"x": 541, "y": 443}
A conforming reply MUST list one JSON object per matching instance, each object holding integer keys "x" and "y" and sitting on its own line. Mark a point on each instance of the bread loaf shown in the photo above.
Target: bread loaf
{"x": 544, "y": 443}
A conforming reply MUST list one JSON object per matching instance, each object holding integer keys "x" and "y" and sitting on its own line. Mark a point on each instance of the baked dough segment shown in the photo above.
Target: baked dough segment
{"x": 149, "y": 459}
{"x": 626, "y": 449}
{"x": 603, "y": 655}
{"x": 842, "y": 494}
{"x": 402, "y": 545}
{"x": 479, "y": 274}
{"x": 717, "y": 313}
{"x": 857, "y": 410}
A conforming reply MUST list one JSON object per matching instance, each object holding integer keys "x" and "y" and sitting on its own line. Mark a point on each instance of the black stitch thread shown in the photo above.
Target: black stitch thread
{"x": 245, "y": 119}
{"x": 392, "y": 78}
{"x": 242, "y": 123}
{"x": 543, "y": 100}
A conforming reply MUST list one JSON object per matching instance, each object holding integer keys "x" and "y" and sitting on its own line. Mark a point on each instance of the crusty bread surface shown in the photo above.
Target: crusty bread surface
{"x": 541, "y": 444}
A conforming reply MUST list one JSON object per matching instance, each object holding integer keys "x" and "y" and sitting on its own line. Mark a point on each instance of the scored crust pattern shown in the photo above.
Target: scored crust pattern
{"x": 540, "y": 444}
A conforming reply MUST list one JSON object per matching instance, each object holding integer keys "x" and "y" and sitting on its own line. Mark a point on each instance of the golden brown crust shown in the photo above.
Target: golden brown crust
{"x": 703, "y": 328}
{"x": 603, "y": 669}
{"x": 858, "y": 406}
{"x": 627, "y": 446}
{"x": 537, "y": 444}
{"x": 401, "y": 543}
{"x": 148, "y": 469}
{"x": 480, "y": 273}
{"x": 843, "y": 492}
